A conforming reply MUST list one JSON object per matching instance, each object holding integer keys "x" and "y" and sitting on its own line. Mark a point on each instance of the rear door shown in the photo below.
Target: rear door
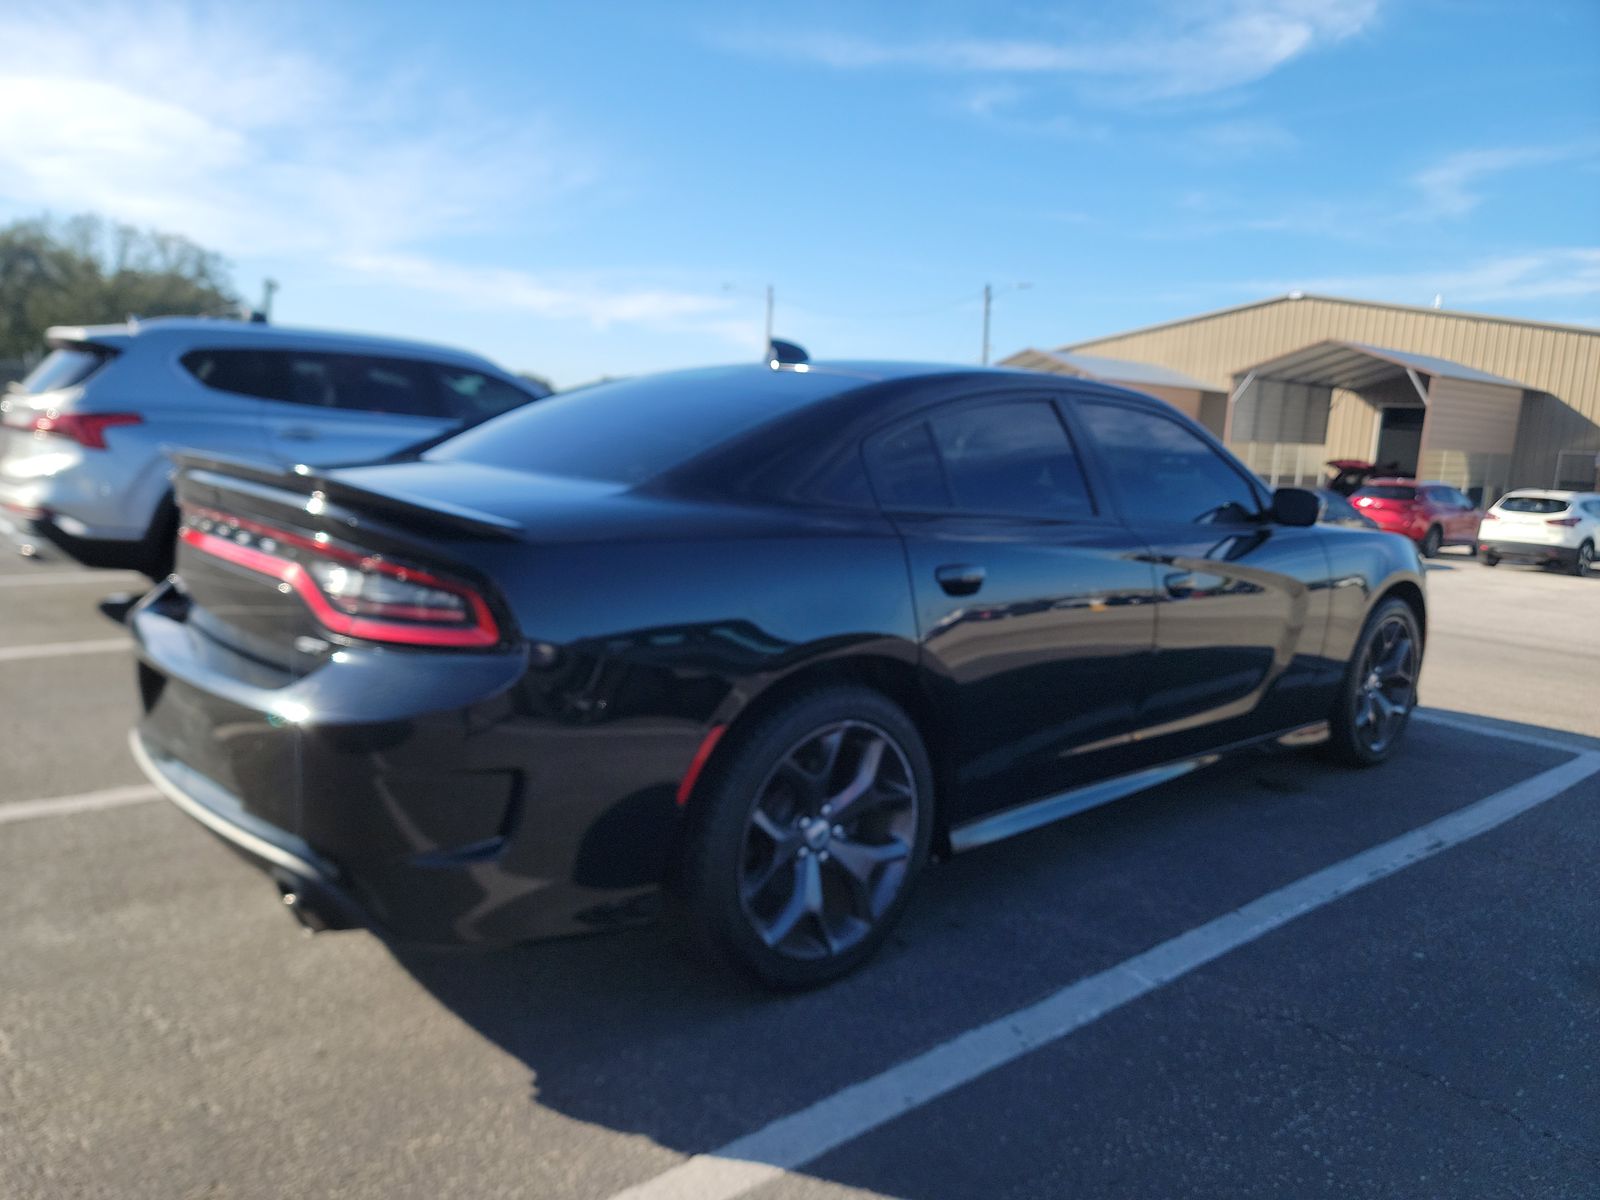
{"x": 1464, "y": 516}
{"x": 1032, "y": 600}
{"x": 1241, "y": 602}
{"x": 346, "y": 408}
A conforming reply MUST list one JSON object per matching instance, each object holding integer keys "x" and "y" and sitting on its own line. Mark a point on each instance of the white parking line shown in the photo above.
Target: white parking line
{"x": 60, "y": 806}
{"x": 1482, "y": 726}
{"x": 110, "y": 579}
{"x": 792, "y": 1141}
{"x": 62, "y": 649}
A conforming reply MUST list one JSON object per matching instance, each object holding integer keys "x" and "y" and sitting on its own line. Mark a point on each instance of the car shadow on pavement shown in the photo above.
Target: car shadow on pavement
{"x": 627, "y": 1032}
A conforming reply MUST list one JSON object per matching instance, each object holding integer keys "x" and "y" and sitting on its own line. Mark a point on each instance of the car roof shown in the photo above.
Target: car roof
{"x": 200, "y": 328}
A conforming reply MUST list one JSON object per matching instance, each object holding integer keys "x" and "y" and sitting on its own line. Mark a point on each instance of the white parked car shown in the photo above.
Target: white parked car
{"x": 1535, "y": 526}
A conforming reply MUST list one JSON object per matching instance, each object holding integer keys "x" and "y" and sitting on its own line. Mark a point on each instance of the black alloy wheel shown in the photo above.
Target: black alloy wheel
{"x": 829, "y": 841}
{"x": 1380, "y": 687}
{"x": 1584, "y": 563}
{"x": 807, "y": 836}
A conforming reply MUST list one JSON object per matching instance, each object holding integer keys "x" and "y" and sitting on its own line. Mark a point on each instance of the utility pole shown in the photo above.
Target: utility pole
{"x": 988, "y": 302}
{"x": 769, "y": 314}
{"x": 269, "y": 288}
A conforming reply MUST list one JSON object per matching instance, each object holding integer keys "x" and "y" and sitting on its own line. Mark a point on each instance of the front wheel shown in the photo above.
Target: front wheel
{"x": 806, "y": 836}
{"x": 1431, "y": 542}
{"x": 1379, "y": 688}
{"x": 1584, "y": 563}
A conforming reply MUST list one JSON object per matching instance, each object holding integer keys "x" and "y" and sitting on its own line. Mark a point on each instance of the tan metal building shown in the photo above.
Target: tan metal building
{"x": 1483, "y": 403}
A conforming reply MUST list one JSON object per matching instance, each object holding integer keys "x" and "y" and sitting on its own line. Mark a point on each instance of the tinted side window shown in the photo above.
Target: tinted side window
{"x": 906, "y": 472}
{"x": 387, "y": 385}
{"x": 1163, "y": 471}
{"x": 243, "y": 372}
{"x": 1011, "y": 458}
{"x": 472, "y": 395}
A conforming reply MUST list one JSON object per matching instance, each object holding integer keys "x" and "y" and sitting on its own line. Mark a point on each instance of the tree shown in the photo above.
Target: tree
{"x": 85, "y": 270}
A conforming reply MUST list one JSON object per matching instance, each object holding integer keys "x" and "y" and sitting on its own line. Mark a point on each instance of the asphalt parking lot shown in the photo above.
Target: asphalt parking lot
{"x": 1274, "y": 978}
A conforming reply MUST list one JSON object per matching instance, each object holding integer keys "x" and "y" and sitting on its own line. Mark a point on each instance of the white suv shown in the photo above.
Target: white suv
{"x": 1536, "y": 526}
{"x": 84, "y": 438}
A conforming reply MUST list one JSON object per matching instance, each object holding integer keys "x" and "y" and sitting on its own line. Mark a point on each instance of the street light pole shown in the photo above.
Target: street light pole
{"x": 769, "y": 314}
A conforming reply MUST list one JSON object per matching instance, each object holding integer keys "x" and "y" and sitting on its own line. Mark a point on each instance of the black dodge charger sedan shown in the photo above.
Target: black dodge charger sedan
{"x": 761, "y": 638}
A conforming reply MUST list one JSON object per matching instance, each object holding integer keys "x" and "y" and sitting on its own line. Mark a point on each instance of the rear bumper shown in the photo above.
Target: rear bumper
{"x": 408, "y": 793}
{"x": 1530, "y": 552}
{"x": 297, "y": 869}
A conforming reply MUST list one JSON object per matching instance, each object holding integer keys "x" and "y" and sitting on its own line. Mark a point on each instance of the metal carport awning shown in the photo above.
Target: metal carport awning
{"x": 1355, "y": 366}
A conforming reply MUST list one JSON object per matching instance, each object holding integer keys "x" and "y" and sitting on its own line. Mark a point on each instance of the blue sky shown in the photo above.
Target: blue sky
{"x": 583, "y": 189}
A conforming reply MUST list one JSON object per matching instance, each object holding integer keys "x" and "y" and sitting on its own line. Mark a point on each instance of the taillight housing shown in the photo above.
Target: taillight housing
{"x": 1490, "y": 516}
{"x": 349, "y": 591}
{"x": 87, "y": 429}
{"x": 1569, "y": 522}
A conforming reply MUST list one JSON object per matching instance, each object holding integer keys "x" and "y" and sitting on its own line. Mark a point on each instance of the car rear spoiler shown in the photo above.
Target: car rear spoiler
{"x": 311, "y": 481}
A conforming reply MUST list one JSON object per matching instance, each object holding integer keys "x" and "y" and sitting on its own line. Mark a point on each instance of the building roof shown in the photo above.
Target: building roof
{"x": 1356, "y": 365}
{"x": 1112, "y": 370}
{"x": 1293, "y": 297}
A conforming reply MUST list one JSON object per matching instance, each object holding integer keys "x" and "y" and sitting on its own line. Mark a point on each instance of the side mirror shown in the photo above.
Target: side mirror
{"x": 1296, "y": 506}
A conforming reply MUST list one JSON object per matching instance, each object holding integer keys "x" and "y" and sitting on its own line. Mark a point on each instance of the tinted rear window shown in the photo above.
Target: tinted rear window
{"x": 1533, "y": 504}
{"x": 635, "y": 429}
{"x": 1389, "y": 491}
{"x": 66, "y": 367}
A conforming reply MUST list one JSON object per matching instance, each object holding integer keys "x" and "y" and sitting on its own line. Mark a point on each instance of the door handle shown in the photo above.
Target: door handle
{"x": 960, "y": 579}
{"x": 298, "y": 433}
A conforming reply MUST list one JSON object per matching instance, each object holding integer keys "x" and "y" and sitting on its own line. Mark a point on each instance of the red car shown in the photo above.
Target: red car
{"x": 1430, "y": 513}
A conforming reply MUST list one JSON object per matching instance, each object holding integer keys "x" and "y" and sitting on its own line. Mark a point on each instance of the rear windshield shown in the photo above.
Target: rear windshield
{"x": 1389, "y": 491}
{"x": 1533, "y": 504}
{"x": 632, "y": 430}
{"x": 65, "y": 367}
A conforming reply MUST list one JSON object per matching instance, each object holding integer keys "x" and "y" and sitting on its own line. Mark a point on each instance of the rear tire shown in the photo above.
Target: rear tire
{"x": 1490, "y": 559}
{"x": 1431, "y": 541}
{"x": 1379, "y": 690}
{"x": 1583, "y": 565}
{"x": 806, "y": 834}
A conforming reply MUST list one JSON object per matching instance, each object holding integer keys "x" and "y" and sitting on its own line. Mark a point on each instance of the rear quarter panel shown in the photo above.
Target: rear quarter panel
{"x": 1365, "y": 566}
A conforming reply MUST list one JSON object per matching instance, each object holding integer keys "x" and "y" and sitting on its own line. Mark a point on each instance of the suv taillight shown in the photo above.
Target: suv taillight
{"x": 358, "y": 594}
{"x": 1567, "y": 521}
{"x": 87, "y": 429}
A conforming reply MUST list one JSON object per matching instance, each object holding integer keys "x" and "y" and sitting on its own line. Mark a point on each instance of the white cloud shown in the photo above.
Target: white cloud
{"x": 226, "y": 131}
{"x": 1448, "y": 188}
{"x": 1190, "y": 48}
{"x": 1548, "y": 274}
{"x": 597, "y": 303}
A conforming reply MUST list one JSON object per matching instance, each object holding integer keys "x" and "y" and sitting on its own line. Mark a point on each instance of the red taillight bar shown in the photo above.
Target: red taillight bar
{"x": 87, "y": 429}
{"x": 482, "y": 632}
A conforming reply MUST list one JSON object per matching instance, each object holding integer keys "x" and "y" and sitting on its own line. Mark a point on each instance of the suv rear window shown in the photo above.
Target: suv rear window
{"x": 66, "y": 366}
{"x": 1389, "y": 491}
{"x": 1533, "y": 504}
